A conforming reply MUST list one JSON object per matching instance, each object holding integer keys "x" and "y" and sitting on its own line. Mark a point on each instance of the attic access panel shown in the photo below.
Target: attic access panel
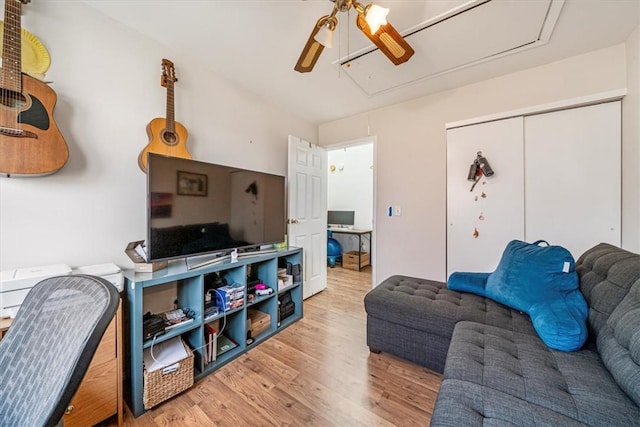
{"x": 476, "y": 32}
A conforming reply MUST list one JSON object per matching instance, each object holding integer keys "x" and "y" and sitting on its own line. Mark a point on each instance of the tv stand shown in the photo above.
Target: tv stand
{"x": 256, "y": 252}
{"x": 198, "y": 261}
{"x": 188, "y": 285}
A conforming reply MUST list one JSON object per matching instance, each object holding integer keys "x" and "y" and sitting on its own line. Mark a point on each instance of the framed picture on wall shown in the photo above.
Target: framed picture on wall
{"x": 192, "y": 184}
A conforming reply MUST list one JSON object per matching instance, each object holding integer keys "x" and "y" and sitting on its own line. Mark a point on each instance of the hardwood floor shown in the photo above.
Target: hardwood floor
{"x": 317, "y": 372}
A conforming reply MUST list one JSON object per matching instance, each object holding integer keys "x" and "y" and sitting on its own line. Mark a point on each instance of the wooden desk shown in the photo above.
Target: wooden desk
{"x": 360, "y": 234}
{"x": 4, "y": 326}
{"x": 100, "y": 393}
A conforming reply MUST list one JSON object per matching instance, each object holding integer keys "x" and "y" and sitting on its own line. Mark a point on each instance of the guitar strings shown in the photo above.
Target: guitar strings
{"x": 12, "y": 61}
{"x": 170, "y": 109}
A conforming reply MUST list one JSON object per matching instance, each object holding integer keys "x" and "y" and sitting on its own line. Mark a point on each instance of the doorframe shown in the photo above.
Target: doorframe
{"x": 353, "y": 143}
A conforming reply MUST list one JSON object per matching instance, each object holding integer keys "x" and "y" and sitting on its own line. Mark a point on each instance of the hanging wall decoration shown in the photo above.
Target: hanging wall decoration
{"x": 479, "y": 168}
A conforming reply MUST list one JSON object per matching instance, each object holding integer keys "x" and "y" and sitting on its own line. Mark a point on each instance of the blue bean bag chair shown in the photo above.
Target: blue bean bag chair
{"x": 540, "y": 281}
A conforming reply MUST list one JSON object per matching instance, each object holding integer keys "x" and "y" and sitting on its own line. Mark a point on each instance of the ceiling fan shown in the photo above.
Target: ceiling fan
{"x": 372, "y": 21}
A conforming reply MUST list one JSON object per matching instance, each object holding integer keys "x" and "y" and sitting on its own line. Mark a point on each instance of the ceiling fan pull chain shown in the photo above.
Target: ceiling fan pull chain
{"x": 348, "y": 37}
{"x": 339, "y": 50}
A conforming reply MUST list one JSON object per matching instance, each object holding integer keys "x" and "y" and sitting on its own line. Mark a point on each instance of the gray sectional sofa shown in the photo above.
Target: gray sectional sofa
{"x": 497, "y": 371}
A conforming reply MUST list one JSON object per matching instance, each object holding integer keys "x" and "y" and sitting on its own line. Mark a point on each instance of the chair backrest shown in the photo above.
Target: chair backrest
{"x": 49, "y": 346}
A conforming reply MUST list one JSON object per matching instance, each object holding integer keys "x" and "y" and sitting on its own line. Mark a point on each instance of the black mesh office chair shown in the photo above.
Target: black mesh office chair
{"x": 49, "y": 346}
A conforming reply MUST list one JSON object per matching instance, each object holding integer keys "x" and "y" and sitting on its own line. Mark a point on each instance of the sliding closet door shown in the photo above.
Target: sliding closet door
{"x": 481, "y": 222}
{"x": 573, "y": 177}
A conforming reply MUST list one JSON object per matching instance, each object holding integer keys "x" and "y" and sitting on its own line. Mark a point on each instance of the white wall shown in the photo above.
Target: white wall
{"x": 631, "y": 147}
{"x": 350, "y": 188}
{"x": 411, "y": 150}
{"x": 107, "y": 80}
{"x": 350, "y": 185}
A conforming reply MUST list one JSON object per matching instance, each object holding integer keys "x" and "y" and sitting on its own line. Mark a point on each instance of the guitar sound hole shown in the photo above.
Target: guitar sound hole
{"x": 170, "y": 138}
{"x": 12, "y": 99}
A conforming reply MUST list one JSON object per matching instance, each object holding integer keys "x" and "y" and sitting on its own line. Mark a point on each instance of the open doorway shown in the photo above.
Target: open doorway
{"x": 350, "y": 201}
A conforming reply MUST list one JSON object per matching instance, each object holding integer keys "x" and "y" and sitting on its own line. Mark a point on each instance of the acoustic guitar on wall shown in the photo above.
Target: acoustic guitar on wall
{"x": 166, "y": 136}
{"x": 30, "y": 142}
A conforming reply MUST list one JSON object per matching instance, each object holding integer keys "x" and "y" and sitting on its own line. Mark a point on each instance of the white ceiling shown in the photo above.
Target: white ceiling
{"x": 256, "y": 43}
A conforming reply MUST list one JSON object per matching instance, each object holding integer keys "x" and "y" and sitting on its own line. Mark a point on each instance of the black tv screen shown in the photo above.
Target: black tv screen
{"x": 341, "y": 217}
{"x": 196, "y": 208}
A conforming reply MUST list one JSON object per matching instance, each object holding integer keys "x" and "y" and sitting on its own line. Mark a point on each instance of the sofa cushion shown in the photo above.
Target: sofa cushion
{"x": 542, "y": 282}
{"x": 619, "y": 343}
{"x": 463, "y": 403}
{"x": 428, "y": 306}
{"x": 519, "y": 368}
{"x": 606, "y": 273}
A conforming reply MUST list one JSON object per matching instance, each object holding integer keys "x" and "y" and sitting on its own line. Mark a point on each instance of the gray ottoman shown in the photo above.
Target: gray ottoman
{"x": 414, "y": 318}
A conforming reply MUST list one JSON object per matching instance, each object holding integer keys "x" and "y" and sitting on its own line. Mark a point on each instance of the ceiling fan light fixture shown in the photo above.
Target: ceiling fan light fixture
{"x": 388, "y": 40}
{"x": 312, "y": 49}
{"x": 372, "y": 21}
{"x": 324, "y": 36}
{"x": 375, "y": 16}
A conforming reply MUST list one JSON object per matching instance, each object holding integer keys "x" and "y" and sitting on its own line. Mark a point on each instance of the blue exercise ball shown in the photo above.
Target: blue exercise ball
{"x": 334, "y": 251}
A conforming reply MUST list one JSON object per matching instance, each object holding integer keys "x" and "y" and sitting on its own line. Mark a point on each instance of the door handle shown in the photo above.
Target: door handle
{"x": 292, "y": 221}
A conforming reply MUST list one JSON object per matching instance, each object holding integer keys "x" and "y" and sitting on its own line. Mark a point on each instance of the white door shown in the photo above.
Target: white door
{"x": 572, "y": 178}
{"x": 481, "y": 222}
{"x": 307, "y": 178}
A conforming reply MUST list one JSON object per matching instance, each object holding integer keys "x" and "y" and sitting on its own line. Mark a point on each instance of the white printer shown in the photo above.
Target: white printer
{"x": 108, "y": 271}
{"x": 15, "y": 284}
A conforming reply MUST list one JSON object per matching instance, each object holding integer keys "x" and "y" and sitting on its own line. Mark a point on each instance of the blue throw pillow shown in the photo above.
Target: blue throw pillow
{"x": 540, "y": 281}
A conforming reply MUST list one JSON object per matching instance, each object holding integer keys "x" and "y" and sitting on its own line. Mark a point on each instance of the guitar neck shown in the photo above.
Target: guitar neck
{"x": 170, "y": 108}
{"x": 12, "y": 47}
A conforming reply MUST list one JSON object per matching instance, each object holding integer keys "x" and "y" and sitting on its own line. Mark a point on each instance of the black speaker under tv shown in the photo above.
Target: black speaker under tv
{"x": 196, "y": 208}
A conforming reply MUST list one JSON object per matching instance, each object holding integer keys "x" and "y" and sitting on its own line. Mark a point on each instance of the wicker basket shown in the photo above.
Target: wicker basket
{"x": 160, "y": 386}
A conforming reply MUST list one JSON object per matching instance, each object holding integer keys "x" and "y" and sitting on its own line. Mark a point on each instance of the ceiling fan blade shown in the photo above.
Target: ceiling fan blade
{"x": 310, "y": 53}
{"x": 388, "y": 40}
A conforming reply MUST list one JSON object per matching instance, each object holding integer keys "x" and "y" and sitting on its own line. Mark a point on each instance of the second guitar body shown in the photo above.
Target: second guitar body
{"x": 163, "y": 141}
{"x": 30, "y": 142}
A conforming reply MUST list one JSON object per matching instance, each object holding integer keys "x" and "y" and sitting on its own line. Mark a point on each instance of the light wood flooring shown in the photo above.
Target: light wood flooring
{"x": 317, "y": 372}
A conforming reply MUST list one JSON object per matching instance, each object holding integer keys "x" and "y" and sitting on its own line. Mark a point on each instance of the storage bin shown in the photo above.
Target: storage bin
{"x": 284, "y": 281}
{"x": 350, "y": 260}
{"x": 259, "y": 321}
{"x": 163, "y": 384}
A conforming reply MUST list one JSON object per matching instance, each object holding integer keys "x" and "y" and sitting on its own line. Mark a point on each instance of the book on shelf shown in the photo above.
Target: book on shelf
{"x": 205, "y": 354}
{"x": 224, "y": 344}
{"x": 210, "y": 339}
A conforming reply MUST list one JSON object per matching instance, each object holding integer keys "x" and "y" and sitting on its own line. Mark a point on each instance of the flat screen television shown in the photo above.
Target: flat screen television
{"x": 196, "y": 208}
